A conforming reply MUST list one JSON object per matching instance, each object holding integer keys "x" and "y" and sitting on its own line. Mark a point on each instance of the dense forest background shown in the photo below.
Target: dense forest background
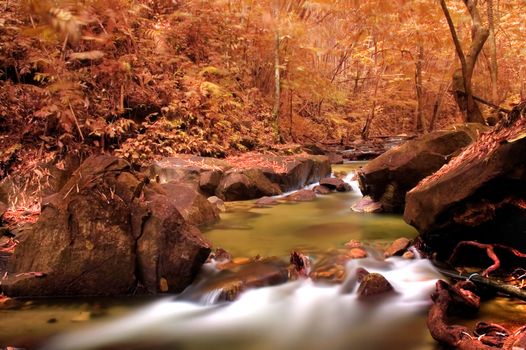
{"x": 150, "y": 78}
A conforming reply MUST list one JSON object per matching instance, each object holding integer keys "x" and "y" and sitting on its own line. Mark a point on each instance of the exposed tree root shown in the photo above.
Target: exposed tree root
{"x": 486, "y": 336}
{"x": 490, "y": 251}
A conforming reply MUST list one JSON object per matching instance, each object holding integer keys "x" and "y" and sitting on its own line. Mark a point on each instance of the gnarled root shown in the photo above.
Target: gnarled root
{"x": 490, "y": 251}
{"x": 487, "y": 336}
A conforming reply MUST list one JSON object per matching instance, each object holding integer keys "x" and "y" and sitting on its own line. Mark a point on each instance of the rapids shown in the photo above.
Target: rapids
{"x": 295, "y": 315}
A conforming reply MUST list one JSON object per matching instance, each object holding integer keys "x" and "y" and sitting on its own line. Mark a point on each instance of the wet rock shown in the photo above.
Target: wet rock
{"x": 353, "y": 244}
{"x": 168, "y": 249}
{"x": 217, "y": 203}
{"x": 229, "y": 283}
{"x": 357, "y": 253}
{"x": 479, "y": 193}
{"x": 209, "y": 180}
{"x": 215, "y": 177}
{"x": 191, "y": 203}
{"x": 8, "y": 303}
{"x": 340, "y": 174}
{"x": 409, "y": 255}
{"x": 389, "y": 177}
{"x": 246, "y": 184}
{"x": 184, "y": 168}
{"x": 374, "y": 284}
{"x": 398, "y": 247}
{"x": 220, "y": 255}
{"x": 300, "y": 265}
{"x": 335, "y": 158}
{"x": 320, "y": 189}
{"x": 297, "y": 171}
{"x": 335, "y": 184}
{"x": 331, "y": 267}
{"x": 116, "y": 237}
{"x": 266, "y": 202}
{"x": 302, "y": 196}
{"x": 367, "y": 205}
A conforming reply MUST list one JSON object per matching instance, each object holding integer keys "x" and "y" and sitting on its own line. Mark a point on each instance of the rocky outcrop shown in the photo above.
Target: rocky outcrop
{"x": 107, "y": 232}
{"x": 294, "y": 172}
{"x": 389, "y": 177}
{"x": 261, "y": 174}
{"x": 479, "y": 195}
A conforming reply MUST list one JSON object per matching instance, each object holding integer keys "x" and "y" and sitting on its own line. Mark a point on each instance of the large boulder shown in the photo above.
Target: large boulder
{"x": 298, "y": 171}
{"x": 387, "y": 178}
{"x": 106, "y": 232}
{"x": 190, "y": 202}
{"x": 246, "y": 184}
{"x": 479, "y": 195}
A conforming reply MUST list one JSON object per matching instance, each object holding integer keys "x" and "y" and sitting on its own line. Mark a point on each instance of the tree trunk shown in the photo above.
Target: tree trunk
{"x": 420, "y": 120}
{"x": 493, "y": 67}
{"x": 463, "y": 78}
{"x": 277, "y": 84}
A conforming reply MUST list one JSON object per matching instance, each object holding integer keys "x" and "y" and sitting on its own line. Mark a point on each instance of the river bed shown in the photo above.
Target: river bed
{"x": 296, "y": 315}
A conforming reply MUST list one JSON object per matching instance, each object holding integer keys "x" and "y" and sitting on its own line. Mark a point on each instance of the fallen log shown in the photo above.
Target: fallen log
{"x": 479, "y": 280}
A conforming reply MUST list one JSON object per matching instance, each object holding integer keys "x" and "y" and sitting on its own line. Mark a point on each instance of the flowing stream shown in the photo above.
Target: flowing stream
{"x": 296, "y": 315}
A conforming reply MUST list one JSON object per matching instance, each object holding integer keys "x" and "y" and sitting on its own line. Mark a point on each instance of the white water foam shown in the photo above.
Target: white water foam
{"x": 296, "y": 315}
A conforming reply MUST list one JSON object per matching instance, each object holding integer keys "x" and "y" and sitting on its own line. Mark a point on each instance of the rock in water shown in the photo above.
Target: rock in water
{"x": 302, "y": 196}
{"x": 479, "y": 195}
{"x": 246, "y": 184}
{"x": 367, "y": 205}
{"x": 266, "y": 202}
{"x": 398, "y": 247}
{"x": 100, "y": 236}
{"x": 335, "y": 184}
{"x": 322, "y": 189}
{"x": 217, "y": 203}
{"x": 190, "y": 202}
{"x": 387, "y": 178}
{"x": 374, "y": 284}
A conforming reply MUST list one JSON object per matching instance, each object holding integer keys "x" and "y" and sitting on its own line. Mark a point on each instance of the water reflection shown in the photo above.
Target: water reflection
{"x": 316, "y": 226}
